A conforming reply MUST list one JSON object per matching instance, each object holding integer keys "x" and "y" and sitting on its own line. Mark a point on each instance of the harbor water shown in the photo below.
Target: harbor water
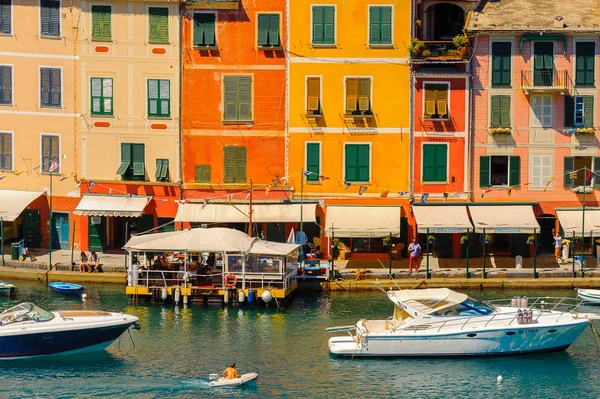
{"x": 177, "y": 348}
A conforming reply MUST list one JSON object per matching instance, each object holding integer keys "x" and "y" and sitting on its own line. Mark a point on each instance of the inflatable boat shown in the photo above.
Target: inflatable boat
{"x": 244, "y": 379}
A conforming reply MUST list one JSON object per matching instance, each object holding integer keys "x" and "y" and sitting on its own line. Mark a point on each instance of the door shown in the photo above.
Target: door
{"x": 60, "y": 230}
{"x": 543, "y": 63}
{"x": 96, "y": 233}
{"x": 545, "y": 239}
{"x": 443, "y": 246}
{"x": 31, "y": 228}
{"x": 161, "y": 225}
{"x": 519, "y": 245}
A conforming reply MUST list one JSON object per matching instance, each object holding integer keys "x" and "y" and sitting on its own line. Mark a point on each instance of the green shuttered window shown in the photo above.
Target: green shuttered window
{"x": 501, "y": 55}
{"x": 132, "y": 162}
{"x": 543, "y": 63}
{"x": 202, "y": 174}
{"x": 5, "y": 84}
{"x": 500, "y": 109}
{"x": 268, "y": 30}
{"x": 585, "y": 53}
{"x": 435, "y": 162}
{"x": 357, "y": 162}
{"x": 499, "y": 171}
{"x": 579, "y": 111}
{"x": 313, "y": 161}
{"x": 5, "y": 151}
{"x": 50, "y": 153}
{"x": 162, "y": 170}
{"x": 101, "y": 23}
{"x": 159, "y": 97}
{"x": 50, "y": 90}
{"x": 50, "y": 18}
{"x": 5, "y": 17}
{"x": 380, "y": 25}
{"x": 237, "y": 98}
{"x": 323, "y": 25}
{"x": 204, "y": 29}
{"x": 158, "y": 24}
{"x": 235, "y": 164}
{"x": 102, "y": 96}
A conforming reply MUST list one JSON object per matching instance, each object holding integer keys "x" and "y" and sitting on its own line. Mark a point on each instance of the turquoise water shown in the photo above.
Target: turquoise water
{"x": 177, "y": 348}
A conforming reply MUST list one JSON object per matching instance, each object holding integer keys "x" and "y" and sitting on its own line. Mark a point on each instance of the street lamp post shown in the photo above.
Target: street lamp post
{"x": 50, "y": 226}
{"x": 581, "y": 273}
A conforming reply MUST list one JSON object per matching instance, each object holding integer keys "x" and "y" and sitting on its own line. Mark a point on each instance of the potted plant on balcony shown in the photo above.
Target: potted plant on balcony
{"x": 461, "y": 43}
{"x": 530, "y": 240}
{"x": 416, "y": 47}
{"x": 585, "y": 131}
{"x": 500, "y": 130}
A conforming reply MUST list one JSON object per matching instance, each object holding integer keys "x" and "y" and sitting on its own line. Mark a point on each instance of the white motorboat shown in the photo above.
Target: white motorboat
{"x": 441, "y": 322}
{"x": 244, "y": 379}
{"x": 27, "y": 330}
{"x": 587, "y": 295}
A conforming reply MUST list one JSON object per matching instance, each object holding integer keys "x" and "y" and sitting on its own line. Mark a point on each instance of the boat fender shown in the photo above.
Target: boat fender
{"x": 513, "y": 302}
{"x": 241, "y": 296}
{"x": 226, "y": 297}
{"x": 163, "y": 293}
{"x": 136, "y": 326}
{"x": 230, "y": 280}
{"x": 250, "y": 296}
{"x": 185, "y": 299}
{"x": 520, "y": 317}
{"x": 524, "y": 302}
{"x": 266, "y": 296}
{"x": 177, "y": 295}
{"x": 499, "y": 379}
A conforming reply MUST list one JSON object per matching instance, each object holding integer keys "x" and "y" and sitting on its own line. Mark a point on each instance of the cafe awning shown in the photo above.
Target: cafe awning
{"x": 104, "y": 205}
{"x": 363, "y": 221}
{"x": 442, "y": 219}
{"x": 238, "y": 213}
{"x": 13, "y": 202}
{"x": 571, "y": 220}
{"x": 504, "y": 219}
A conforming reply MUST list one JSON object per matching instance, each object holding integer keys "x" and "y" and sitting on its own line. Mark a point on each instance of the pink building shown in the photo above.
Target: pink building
{"x": 535, "y": 112}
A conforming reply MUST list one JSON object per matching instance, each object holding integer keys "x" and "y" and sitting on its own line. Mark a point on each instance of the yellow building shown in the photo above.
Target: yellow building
{"x": 348, "y": 118}
{"x": 129, "y": 117}
{"x": 39, "y": 112}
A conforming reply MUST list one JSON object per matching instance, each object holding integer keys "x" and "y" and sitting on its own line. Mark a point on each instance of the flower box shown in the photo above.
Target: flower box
{"x": 500, "y": 130}
{"x": 582, "y": 189}
{"x": 585, "y": 130}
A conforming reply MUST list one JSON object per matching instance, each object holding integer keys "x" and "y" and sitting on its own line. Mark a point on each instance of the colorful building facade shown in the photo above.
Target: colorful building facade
{"x": 349, "y": 124}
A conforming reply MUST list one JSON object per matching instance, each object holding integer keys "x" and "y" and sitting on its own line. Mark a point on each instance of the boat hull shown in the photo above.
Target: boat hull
{"x": 244, "y": 379}
{"x": 67, "y": 289}
{"x": 7, "y": 291}
{"x": 494, "y": 342}
{"x": 60, "y": 342}
{"x": 592, "y": 296}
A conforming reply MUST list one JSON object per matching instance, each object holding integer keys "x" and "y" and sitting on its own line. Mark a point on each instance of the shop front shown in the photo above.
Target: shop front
{"x": 571, "y": 222}
{"x": 17, "y": 222}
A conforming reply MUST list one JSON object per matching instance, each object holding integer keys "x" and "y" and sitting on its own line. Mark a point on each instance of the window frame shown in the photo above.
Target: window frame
{"x": 235, "y": 166}
{"x": 503, "y": 124}
{"x": 423, "y": 145}
{"x": 369, "y": 7}
{"x": 269, "y": 46}
{"x": 129, "y": 174}
{"x": 12, "y": 150}
{"x": 40, "y": 67}
{"x": 12, "y": 85}
{"x": 59, "y": 36}
{"x": 10, "y": 7}
{"x": 44, "y": 168}
{"x": 370, "y": 145}
{"x": 491, "y": 63}
{"x": 359, "y": 114}
{"x": 196, "y": 166}
{"x": 423, "y": 100}
{"x": 335, "y": 15}
{"x": 158, "y": 99}
{"x": 238, "y": 119}
{"x": 101, "y": 97}
{"x": 310, "y": 178}
{"x": 543, "y": 179}
{"x": 319, "y": 113}
{"x": 148, "y": 26}
{"x": 595, "y": 43}
{"x": 100, "y": 39}
{"x": 213, "y": 46}
{"x": 160, "y": 163}
{"x": 534, "y": 119}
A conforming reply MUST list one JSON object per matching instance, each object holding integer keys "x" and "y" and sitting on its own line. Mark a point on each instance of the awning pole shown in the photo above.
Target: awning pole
{"x": 535, "y": 275}
{"x": 72, "y": 245}
{"x": 427, "y": 255}
{"x": 50, "y": 229}
{"x": 244, "y": 271}
{"x": 583, "y": 221}
{"x": 2, "y": 238}
{"x": 484, "y": 244}
{"x": 573, "y": 254}
{"x": 467, "y": 253}
{"x": 389, "y": 254}
{"x": 331, "y": 251}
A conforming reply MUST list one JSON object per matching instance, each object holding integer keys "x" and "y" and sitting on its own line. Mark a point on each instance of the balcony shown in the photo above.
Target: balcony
{"x": 438, "y": 51}
{"x": 212, "y": 4}
{"x": 546, "y": 81}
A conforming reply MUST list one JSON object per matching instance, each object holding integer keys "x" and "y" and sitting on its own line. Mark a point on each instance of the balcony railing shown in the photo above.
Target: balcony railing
{"x": 440, "y": 51}
{"x": 546, "y": 81}
{"x": 212, "y": 4}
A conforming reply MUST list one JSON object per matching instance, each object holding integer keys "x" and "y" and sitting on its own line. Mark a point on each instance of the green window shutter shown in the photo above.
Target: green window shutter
{"x": 597, "y": 171}
{"x": 501, "y": 63}
{"x": 386, "y": 25}
{"x": 202, "y": 174}
{"x": 363, "y": 162}
{"x": 496, "y": 119}
{"x": 229, "y": 171}
{"x": 428, "y": 172}
{"x": 505, "y": 111}
{"x": 204, "y": 29}
{"x": 106, "y": 23}
{"x": 5, "y": 84}
{"x": 96, "y": 95}
{"x": 329, "y": 25}
{"x": 569, "y": 166}
{"x": 569, "y": 111}
{"x": 101, "y": 22}
{"x": 45, "y": 152}
{"x": 317, "y": 22}
{"x": 45, "y": 86}
{"x": 484, "y": 171}
{"x": 159, "y": 165}
{"x": 125, "y": 159}
{"x": 514, "y": 171}
{"x": 198, "y": 36}
{"x": 137, "y": 154}
{"x": 152, "y": 97}
{"x": 164, "y": 97}
{"x": 313, "y": 161}
{"x": 162, "y": 169}
{"x": 244, "y": 98}
{"x": 55, "y": 87}
{"x": 5, "y": 17}
{"x": 240, "y": 164}
{"x": 158, "y": 19}
{"x": 351, "y": 162}
{"x": 263, "y": 29}
{"x": 375, "y": 25}
{"x": 5, "y": 151}
{"x": 230, "y": 98}
{"x": 274, "y": 30}
{"x": 441, "y": 163}
{"x": 50, "y": 17}
{"x": 588, "y": 111}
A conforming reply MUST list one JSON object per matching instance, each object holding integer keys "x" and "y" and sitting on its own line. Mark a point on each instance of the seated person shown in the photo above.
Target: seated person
{"x": 83, "y": 265}
{"x": 230, "y": 372}
{"x": 93, "y": 261}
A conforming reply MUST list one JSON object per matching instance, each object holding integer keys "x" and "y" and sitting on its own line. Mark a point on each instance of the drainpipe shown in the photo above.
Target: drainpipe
{"x": 180, "y": 133}
{"x": 411, "y": 142}
{"x": 287, "y": 89}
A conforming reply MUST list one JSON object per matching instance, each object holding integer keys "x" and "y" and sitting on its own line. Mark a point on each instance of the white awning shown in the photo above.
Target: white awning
{"x": 363, "y": 221}
{"x": 103, "y": 205}
{"x": 13, "y": 202}
{"x": 570, "y": 221}
{"x": 442, "y": 219}
{"x": 238, "y": 213}
{"x": 504, "y": 219}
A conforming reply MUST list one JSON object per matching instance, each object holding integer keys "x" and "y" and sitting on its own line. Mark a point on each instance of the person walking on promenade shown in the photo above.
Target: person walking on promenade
{"x": 557, "y": 246}
{"x": 415, "y": 251}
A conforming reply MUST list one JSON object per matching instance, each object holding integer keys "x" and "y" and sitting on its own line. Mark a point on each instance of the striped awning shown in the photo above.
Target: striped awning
{"x": 238, "y": 213}
{"x": 104, "y": 205}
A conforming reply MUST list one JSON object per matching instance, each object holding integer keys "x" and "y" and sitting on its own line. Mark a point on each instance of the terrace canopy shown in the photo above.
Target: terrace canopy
{"x": 504, "y": 219}
{"x": 13, "y": 202}
{"x": 238, "y": 213}
{"x": 442, "y": 219}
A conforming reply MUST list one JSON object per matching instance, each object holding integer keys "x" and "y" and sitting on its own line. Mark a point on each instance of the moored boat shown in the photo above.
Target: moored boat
{"x": 7, "y": 289}
{"x": 27, "y": 331}
{"x": 441, "y": 323}
{"x": 588, "y": 295}
{"x": 66, "y": 288}
{"x": 244, "y": 379}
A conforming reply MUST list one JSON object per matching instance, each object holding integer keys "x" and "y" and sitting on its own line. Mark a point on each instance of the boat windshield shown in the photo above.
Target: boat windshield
{"x": 24, "y": 312}
{"x": 469, "y": 307}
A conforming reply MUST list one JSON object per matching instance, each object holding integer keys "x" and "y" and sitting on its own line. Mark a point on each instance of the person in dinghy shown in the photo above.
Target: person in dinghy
{"x": 230, "y": 372}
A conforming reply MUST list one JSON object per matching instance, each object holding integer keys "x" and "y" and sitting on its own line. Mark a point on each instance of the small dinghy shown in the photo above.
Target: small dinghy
{"x": 586, "y": 295}
{"x": 244, "y": 379}
{"x": 7, "y": 289}
{"x": 66, "y": 288}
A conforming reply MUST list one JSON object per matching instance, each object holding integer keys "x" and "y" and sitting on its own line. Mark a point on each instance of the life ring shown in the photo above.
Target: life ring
{"x": 230, "y": 280}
